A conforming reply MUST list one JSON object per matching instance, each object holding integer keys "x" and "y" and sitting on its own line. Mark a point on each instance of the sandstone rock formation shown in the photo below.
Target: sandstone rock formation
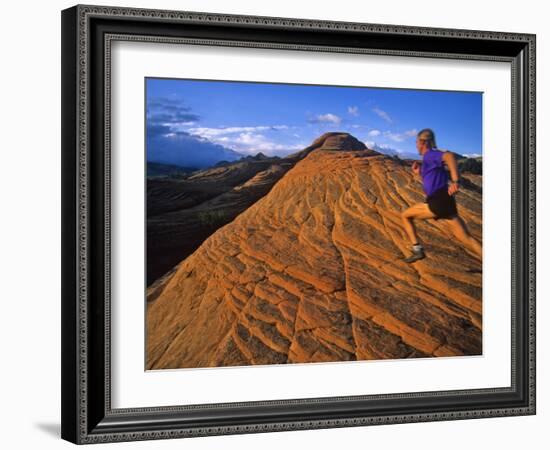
{"x": 311, "y": 272}
{"x": 183, "y": 211}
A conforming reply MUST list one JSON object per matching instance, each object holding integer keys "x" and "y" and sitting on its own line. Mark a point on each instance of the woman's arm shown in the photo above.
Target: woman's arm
{"x": 416, "y": 168}
{"x": 450, "y": 160}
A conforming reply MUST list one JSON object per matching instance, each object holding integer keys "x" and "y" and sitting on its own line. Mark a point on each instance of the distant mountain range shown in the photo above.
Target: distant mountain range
{"x": 187, "y": 150}
{"x": 257, "y": 157}
{"x": 466, "y": 164}
{"x": 155, "y": 169}
{"x": 470, "y": 165}
{"x": 181, "y": 152}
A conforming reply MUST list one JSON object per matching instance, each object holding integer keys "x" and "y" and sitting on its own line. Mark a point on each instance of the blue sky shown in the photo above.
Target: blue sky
{"x": 278, "y": 119}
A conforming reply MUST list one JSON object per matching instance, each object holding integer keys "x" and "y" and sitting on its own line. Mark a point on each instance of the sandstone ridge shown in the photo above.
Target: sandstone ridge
{"x": 311, "y": 272}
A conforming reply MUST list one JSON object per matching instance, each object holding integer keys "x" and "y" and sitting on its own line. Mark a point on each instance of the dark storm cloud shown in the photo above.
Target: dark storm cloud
{"x": 167, "y": 103}
{"x": 166, "y": 111}
{"x": 155, "y": 130}
{"x": 168, "y": 143}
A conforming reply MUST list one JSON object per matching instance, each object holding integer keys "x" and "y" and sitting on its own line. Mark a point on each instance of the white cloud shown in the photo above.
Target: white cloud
{"x": 353, "y": 110}
{"x": 369, "y": 144}
{"x": 326, "y": 118}
{"x": 221, "y": 131}
{"x": 382, "y": 114}
{"x": 246, "y": 140}
{"x": 374, "y": 133}
{"x": 178, "y": 126}
{"x": 252, "y": 143}
{"x": 396, "y": 137}
{"x": 400, "y": 137}
{"x": 384, "y": 148}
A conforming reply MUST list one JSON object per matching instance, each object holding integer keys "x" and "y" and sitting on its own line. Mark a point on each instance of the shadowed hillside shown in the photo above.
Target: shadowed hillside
{"x": 311, "y": 272}
{"x": 182, "y": 211}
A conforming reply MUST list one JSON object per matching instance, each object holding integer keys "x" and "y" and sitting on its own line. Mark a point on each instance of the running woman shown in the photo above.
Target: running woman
{"x": 440, "y": 202}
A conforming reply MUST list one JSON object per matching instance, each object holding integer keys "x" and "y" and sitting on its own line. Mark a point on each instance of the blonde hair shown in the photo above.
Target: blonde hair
{"x": 428, "y": 135}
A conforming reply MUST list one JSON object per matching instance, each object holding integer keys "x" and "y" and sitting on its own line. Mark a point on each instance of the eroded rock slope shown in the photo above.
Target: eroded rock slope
{"x": 311, "y": 272}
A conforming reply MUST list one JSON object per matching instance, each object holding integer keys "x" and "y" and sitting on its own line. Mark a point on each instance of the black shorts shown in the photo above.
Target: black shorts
{"x": 442, "y": 204}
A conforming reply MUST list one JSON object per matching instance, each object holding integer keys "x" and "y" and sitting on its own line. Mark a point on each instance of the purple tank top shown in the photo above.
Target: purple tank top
{"x": 433, "y": 172}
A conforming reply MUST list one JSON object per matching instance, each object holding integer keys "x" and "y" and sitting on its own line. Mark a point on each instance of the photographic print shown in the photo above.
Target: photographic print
{"x": 291, "y": 223}
{"x": 335, "y": 201}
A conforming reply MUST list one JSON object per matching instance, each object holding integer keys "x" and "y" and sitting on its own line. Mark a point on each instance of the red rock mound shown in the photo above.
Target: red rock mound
{"x": 311, "y": 272}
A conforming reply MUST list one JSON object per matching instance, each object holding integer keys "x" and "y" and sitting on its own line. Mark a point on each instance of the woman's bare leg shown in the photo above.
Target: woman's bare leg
{"x": 460, "y": 230}
{"x": 418, "y": 211}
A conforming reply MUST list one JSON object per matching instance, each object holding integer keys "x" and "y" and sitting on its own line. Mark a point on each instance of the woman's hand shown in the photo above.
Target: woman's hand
{"x": 453, "y": 187}
{"x": 416, "y": 168}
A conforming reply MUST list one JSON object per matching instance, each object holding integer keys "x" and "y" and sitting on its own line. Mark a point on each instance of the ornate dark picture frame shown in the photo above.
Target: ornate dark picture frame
{"x": 87, "y": 33}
